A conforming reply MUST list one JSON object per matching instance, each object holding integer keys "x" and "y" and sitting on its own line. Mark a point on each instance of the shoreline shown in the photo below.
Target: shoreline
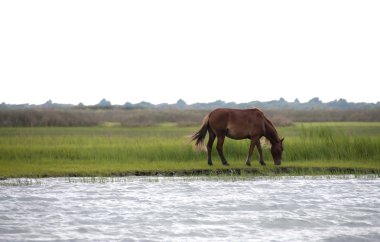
{"x": 234, "y": 172}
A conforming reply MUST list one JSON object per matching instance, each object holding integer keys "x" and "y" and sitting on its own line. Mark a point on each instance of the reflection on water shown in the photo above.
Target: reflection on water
{"x": 157, "y": 209}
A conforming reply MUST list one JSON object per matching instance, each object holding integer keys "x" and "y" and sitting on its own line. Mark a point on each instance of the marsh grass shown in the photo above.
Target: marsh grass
{"x": 112, "y": 150}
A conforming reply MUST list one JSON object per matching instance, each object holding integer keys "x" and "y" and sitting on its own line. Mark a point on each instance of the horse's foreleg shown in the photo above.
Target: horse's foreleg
{"x": 260, "y": 152}
{"x": 251, "y": 147}
{"x": 209, "y": 146}
{"x": 219, "y": 148}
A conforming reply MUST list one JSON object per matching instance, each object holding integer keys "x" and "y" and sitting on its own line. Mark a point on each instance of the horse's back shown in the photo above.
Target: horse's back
{"x": 236, "y": 123}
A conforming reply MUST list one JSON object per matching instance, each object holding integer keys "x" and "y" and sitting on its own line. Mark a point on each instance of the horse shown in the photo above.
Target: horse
{"x": 239, "y": 124}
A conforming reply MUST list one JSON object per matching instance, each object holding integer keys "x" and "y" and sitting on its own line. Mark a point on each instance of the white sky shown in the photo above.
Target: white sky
{"x": 200, "y": 51}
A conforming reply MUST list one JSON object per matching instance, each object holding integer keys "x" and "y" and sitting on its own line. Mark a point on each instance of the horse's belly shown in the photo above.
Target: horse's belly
{"x": 236, "y": 135}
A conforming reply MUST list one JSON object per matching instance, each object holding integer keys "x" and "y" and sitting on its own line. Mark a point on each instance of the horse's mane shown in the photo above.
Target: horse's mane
{"x": 273, "y": 129}
{"x": 270, "y": 122}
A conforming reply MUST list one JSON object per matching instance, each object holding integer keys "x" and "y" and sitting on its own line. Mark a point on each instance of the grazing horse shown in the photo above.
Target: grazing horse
{"x": 239, "y": 124}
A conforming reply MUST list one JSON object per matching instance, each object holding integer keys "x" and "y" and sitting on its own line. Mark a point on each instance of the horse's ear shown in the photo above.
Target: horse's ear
{"x": 282, "y": 140}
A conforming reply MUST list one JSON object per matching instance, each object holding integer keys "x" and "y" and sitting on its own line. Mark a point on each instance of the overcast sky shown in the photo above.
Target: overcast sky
{"x": 200, "y": 51}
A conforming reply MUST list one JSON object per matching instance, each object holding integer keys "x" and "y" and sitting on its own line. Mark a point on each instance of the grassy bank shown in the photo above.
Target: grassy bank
{"x": 310, "y": 148}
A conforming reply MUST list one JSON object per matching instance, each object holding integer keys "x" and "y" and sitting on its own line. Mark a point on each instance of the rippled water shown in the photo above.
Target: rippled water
{"x": 180, "y": 209}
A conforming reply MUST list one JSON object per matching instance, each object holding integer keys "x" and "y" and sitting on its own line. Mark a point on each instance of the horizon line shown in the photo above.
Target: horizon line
{"x": 109, "y": 103}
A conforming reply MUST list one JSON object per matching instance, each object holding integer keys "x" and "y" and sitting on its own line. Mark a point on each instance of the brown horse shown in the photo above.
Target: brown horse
{"x": 239, "y": 124}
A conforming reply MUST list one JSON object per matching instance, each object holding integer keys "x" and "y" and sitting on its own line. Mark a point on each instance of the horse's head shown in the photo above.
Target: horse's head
{"x": 276, "y": 151}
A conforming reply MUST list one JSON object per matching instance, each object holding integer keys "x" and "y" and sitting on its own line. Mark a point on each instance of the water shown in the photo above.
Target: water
{"x": 197, "y": 209}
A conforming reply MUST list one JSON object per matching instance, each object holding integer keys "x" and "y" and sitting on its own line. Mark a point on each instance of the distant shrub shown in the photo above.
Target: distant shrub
{"x": 149, "y": 117}
{"x": 319, "y": 115}
{"x": 34, "y": 118}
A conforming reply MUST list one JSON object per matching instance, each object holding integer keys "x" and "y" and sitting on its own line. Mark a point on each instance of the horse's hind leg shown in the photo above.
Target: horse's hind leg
{"x": 219, "y": 148}
{"x": 209, "y": 146}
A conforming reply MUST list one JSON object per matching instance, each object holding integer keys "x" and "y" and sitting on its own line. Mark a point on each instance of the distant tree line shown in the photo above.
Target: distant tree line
{"x": 312, "y": 104}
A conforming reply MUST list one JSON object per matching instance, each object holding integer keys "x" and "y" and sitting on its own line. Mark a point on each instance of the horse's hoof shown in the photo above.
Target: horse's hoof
{"x": 248, "y": 163}
{"x": 263, "y": 163}
{"x": 209, "y": 163}
{"x": 226, "y": 164}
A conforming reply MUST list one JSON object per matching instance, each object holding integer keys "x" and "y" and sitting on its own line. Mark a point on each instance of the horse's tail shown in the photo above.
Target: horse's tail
{"x": 199, "y": 136}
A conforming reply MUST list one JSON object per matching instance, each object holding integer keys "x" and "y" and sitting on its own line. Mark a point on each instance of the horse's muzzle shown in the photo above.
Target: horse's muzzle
{"x": 277, "y": 162}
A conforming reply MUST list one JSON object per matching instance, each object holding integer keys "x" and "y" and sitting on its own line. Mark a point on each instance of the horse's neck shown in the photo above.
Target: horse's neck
{"x": 271, "y": 132}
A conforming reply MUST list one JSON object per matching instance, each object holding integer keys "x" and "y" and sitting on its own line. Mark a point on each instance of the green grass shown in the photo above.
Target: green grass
{"x": 111, "y": 150}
